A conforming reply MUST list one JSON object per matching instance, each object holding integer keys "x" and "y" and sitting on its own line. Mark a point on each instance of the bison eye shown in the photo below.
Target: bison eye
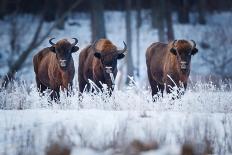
{"x": 53, "y": 49}
{"x": 121, "y": 55}
{"x": 97, "y": 55}
{"x": 173, "y": 51}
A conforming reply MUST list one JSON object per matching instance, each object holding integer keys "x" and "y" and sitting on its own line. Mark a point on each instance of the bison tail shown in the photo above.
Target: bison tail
{"x": 35, "y": 63}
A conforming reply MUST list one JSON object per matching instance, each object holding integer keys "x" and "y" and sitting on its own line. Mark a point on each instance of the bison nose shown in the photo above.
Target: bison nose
{"x": 183, "y": 65}
{"x": 63, "y": 63}
{"x": 110, "y": 72}
{"x": 108, "y": 69}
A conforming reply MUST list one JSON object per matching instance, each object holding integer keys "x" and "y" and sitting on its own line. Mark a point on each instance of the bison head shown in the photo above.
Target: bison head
{"x": 108, "y": 56}
{"x": 183, "y": 50}
{"x": 63, "y": 50}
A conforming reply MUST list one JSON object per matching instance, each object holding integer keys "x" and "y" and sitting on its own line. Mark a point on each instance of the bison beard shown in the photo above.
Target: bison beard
{"x": 98, "y": 63}
{"x": 169, "y": 64}
{"x": 54, "y": 67}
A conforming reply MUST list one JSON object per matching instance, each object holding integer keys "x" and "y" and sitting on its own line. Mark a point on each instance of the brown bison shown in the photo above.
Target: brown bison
{"x": 98, "y": 63}
{"x": 169, "y": 64}
{"x": 54, "y": 66}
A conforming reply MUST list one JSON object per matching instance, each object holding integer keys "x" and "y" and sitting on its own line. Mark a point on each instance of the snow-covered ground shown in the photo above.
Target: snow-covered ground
{"x": 100, "y": 124}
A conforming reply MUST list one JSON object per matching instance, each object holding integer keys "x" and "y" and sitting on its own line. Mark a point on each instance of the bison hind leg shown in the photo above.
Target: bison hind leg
{"x": 41, "y": 87}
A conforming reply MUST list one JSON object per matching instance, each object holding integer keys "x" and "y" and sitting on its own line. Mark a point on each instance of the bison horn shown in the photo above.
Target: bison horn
{"x": 193, "y": 44}
{"x": 124, "y": 49}
{"x": 75, "y": 41}
{"x": 174, "y": 43}
{"x": 50, "y": 41}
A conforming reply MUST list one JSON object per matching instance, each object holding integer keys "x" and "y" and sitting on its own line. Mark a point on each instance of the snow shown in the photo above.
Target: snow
{"x": 100, "y": 124}
{"x": 99, "y": 128}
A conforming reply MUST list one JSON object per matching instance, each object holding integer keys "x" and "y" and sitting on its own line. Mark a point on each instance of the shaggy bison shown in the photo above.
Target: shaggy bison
{"x": 169, "y": 64}
{"x": 98, "y": 63}
{"x": 54, "y": 66}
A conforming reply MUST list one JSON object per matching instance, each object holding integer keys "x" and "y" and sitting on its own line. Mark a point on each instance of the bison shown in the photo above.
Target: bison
{"x": 54, "y": 66}
{"x": 98, "y": 63}
{"x": 168, "y": 65}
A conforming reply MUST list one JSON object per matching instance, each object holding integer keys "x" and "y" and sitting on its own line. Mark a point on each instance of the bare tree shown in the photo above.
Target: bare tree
{"x": 37, "y": 39}
{"x": 183, "y": 11}
{"x": 138, "y": 25}
{"x": 3, "y": 4}
{"x": 59, "y": 12}
{"x": 97, "y": 20}
{"x": 201, "y": 11}
{"x": 160, "y": 19}
{"x": 168, "y": 18}
{"x": 217, "y": 51}
{"x": 154, "y": 13}
{"x": 49, "y": 10}
{"x": 129, "y": 60}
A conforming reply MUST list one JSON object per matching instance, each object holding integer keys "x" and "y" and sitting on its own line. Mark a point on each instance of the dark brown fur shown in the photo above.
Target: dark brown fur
{"x": 91, "y": 67}
{"x": 161, "y": 62}
{"x": 47, "y": 69}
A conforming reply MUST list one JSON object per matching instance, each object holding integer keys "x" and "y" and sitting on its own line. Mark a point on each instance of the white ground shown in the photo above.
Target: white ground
{"x": 100, "y": 123}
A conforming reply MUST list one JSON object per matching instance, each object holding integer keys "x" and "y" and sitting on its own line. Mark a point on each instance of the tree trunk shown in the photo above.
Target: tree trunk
{"x": 59, "y": 12}
{"x": 97, "y": 20}
{"x": 3, "y": 4}
{"x": 49, "y": 14}
{"x": 168, "y": 14}
{"x": 138, "y": 25}
{"x": 201, "y": 12}
{"x": 183, "y": 11}
{"x": 160, "y": 24}
{"x": 129, "y": 60}
{"x": 155, "y": 13}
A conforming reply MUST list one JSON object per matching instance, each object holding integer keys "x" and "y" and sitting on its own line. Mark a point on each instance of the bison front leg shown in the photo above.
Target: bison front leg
{"x": 67, "y": 87}
{"x": 82, "y": 83}
{"x": 55, "y": 95}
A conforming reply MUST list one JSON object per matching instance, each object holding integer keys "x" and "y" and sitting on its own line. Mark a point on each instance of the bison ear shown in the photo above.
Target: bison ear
{"x": 194, "y": 51}
{"x": 97, "y": 55}
{"x": 173, "y": 51}
{"x": 74, "y": 49}
{"x": 52, "y": 48}
{"x": 121, "y": 55}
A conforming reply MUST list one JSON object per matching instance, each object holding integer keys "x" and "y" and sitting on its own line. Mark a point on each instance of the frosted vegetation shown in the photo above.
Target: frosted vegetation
{"x": 100, "y": 124}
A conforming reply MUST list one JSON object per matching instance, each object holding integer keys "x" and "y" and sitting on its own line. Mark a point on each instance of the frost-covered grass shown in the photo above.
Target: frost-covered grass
{"x": 201, "y": 97}
{"x": 100, "y": 124}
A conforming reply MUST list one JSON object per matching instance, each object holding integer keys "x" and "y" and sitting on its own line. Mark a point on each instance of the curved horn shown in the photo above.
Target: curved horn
{"x": 124, "y": 49}
{"x": 50, "y": 41}
{"x": 75, "y": 41}
{"x": 193, "y": 44}
{"x": 173, "y": 44}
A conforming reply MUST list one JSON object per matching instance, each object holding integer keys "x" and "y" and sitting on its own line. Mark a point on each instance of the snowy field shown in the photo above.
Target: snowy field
{"x": 103, "y": 125}
{"x": 100, "y": 124}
